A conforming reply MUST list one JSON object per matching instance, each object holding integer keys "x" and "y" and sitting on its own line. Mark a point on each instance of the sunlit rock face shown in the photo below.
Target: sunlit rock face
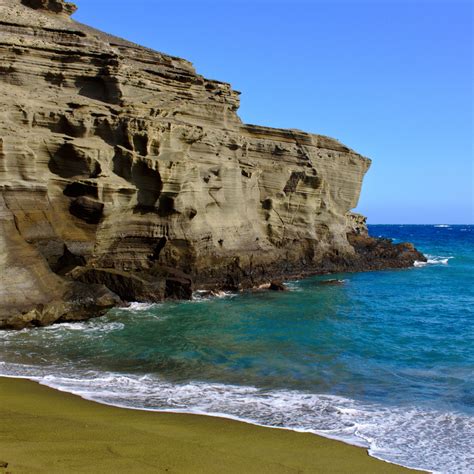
{"x": 124, "y": 172}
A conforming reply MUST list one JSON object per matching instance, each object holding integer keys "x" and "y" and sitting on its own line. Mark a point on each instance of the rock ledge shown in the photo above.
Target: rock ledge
{"x": 51, "y": 6}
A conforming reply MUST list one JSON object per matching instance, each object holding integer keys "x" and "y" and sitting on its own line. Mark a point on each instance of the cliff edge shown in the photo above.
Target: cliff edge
{"x": 127, "y": 176}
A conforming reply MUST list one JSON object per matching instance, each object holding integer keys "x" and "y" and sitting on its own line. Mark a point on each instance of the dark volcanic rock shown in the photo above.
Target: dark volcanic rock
{"x": 160, "y": 284}
{"x": 126, "y": 175}
{"x": 378, "y": 254}
{"x": 277, "y": 286}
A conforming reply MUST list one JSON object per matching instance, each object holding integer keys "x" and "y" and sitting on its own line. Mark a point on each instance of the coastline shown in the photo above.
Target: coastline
{"x": 52, "y": 431}
{"x": 370, "y": 254}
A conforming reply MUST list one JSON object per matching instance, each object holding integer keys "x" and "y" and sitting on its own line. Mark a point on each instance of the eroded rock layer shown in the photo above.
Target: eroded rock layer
{"x": 126, "y": 175}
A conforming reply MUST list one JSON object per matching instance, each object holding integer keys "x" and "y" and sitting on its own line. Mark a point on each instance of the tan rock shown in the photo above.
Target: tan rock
{"x": 120, "y": 158}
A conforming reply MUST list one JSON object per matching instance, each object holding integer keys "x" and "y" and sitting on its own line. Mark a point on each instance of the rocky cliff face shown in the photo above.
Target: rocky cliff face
{"x": 125, "y": 175}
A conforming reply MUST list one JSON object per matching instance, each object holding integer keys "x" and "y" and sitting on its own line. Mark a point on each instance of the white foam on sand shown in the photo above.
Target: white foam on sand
{"x": 412, "y": 436}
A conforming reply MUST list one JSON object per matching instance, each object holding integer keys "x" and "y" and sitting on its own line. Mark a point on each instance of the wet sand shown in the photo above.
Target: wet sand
{"x": 46, "y": 431}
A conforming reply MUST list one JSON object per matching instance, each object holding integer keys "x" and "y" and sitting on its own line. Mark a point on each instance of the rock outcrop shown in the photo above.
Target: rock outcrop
{"x": 125, "y": 175}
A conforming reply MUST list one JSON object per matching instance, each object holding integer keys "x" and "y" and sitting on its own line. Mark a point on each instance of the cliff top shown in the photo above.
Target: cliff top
{"x": 51, "y": 6}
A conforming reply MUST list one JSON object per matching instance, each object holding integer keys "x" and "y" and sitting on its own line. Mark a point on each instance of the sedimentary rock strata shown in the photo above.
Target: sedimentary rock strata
{"x": 125, "y": 175}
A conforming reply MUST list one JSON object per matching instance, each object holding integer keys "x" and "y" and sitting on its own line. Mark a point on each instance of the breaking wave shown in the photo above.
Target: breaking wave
{"x": 389, "y": 433}
{"x": 433, "y": 260}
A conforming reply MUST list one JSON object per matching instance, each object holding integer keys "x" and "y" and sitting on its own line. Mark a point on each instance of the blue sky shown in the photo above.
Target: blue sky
{"x": 391, "y": 79}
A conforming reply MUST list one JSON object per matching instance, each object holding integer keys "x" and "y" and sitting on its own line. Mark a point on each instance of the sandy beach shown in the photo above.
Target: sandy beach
{"x": 44, "y": 430}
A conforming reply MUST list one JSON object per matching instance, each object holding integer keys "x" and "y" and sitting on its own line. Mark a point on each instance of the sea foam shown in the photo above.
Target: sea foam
{"x": 433, "y": 260}
{"x": 389, "y": 433}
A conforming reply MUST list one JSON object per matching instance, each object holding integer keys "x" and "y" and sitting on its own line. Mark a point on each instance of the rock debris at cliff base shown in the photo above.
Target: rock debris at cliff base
{"x": 127, "y": 176}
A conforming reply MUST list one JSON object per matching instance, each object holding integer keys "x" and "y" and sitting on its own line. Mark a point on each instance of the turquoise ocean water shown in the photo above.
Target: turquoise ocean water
{"x": 384, "y": 360}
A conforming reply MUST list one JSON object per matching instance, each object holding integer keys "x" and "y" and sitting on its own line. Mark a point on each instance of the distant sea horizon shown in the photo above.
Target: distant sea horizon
{"x": 380, "y": 359}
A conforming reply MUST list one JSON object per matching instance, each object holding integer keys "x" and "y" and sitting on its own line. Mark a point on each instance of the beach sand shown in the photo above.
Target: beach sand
{"x": 46, "y": 431}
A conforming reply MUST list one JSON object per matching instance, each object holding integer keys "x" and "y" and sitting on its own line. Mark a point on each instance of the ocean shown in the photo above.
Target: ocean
{"x": 383, "y": 360}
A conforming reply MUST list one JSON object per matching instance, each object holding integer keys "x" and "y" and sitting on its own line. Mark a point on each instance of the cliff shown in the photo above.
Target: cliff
{"x": 125, "y": 175}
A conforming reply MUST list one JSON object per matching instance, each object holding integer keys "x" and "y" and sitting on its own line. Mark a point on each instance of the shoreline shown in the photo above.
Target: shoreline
{"x": 24, "y": 321}
{"x": 112, "y": 288}
{"x": 38, "y": 416}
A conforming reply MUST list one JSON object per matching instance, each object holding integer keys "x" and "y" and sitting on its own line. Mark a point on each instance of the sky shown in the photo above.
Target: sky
{"x": 391, "y": 79}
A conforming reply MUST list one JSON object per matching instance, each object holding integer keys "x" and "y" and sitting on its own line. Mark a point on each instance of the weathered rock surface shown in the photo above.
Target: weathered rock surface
{"x": 124, "y": 172}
